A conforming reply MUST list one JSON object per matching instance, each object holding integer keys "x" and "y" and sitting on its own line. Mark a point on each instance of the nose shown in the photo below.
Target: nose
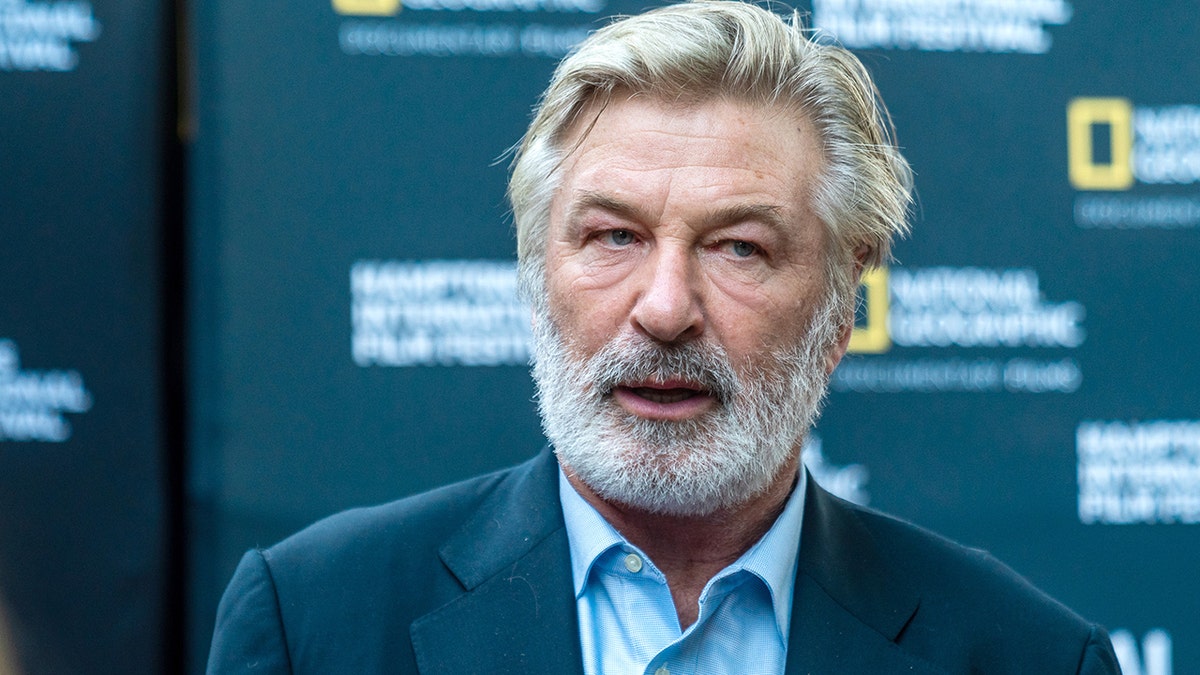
{"x": 668, "y": 307}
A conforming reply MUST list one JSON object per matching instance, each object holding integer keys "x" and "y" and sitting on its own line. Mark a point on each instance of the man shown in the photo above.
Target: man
{"x": 695, "y": 201}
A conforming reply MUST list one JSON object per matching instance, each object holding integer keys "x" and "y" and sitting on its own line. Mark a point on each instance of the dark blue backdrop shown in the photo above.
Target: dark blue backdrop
{"x": 1022, "y": 380}
{"x": 84, "y": 527}
{"x": 1014, "y": 367}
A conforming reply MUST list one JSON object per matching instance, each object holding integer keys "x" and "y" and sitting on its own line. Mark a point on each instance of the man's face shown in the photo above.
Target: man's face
{"x": 687, "y": 339}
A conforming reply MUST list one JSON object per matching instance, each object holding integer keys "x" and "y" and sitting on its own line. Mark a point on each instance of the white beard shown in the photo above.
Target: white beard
{"x": 695, "y": 467}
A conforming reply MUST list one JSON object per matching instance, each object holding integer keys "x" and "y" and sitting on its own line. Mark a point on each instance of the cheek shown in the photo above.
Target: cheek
{"x": 587, "y": 276}
{"x": 585, "y": 310}
{"x": 771, "y": 313}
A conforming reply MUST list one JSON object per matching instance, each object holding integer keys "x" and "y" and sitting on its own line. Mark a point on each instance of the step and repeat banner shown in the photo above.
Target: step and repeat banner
{"x": 83, "y": 533}
{"x": 1023, "y": 378}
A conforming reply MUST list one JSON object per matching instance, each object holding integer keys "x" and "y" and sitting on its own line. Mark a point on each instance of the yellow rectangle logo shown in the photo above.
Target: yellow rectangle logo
{"x": 873, "y": 338}
{"x": 367, "y": 7}
{"x": 1083, "y": 115}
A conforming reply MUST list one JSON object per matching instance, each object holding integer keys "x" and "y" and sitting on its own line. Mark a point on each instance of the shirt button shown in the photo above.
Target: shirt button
{"x": 662, "y": 670}
{"x": 633, "y": 563}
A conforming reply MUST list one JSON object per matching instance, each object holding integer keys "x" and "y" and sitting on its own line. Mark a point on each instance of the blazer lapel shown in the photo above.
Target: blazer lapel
{"x": 848, "y": 605}
{"x": 517, "y": 614}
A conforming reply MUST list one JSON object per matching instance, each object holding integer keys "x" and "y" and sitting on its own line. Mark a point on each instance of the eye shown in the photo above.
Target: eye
{"x": 619, "y": 237}
{"x": 742, "y": 249}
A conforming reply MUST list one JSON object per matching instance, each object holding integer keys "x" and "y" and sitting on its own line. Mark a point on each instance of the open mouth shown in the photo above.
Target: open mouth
{"x": 664, "y": 400}
{"x": 673, "y": 395}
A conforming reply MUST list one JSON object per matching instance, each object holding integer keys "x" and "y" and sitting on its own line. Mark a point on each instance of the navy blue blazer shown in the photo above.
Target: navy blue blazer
{"x": 476, "y": 578}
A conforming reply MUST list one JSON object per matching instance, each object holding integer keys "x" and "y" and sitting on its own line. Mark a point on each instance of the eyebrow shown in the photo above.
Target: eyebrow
{"x": 769, "y": 214}
{"x": 597, "y": 200}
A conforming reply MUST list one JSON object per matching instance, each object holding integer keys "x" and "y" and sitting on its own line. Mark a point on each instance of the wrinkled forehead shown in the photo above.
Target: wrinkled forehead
{"x": 591, "y": 107}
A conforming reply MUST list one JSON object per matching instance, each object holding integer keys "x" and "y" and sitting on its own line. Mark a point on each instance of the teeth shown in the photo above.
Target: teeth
{"x": 665, "y": 395}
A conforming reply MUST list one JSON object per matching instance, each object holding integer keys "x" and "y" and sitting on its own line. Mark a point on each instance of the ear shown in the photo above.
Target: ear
{"x": 834, "y": 356}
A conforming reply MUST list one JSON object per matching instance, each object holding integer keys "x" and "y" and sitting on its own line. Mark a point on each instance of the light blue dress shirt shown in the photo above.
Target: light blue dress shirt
{"x": 627, "y": 619}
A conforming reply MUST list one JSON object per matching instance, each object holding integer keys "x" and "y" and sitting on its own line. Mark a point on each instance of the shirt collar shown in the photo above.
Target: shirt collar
{"x": 588, "y": 532}
{"x": 772, "y": 558}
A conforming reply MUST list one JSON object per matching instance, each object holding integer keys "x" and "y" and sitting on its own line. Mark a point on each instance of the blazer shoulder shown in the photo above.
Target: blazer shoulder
{"x": 946, "y": 570}
{"x": 424, "y": 518}
{"x": 344, "y": 591}
{"x": 399, "y": 536}
{"x": 975, "y": 612}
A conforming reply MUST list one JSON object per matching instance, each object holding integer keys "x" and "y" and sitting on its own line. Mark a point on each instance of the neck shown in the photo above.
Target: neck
{"x": 691, "y": 550}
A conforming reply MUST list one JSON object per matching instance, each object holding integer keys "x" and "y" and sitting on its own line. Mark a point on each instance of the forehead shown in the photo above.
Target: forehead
{"x": 714, "y": 149}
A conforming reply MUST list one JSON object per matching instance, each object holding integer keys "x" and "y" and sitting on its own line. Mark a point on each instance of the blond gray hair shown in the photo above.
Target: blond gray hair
{"x": 702, "y": 50}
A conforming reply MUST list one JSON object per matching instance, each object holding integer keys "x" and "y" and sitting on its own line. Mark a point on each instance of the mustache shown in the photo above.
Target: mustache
{"x": 632, "y": 358}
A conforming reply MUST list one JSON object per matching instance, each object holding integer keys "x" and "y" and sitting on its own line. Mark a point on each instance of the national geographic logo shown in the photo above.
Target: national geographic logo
{"x": 946, "y": 310}
{"x": 1114, "y": 146}
{"x": 367, "y": 7}
{"x": 961, "y": 307}
{"x": 1111, "y": 144}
